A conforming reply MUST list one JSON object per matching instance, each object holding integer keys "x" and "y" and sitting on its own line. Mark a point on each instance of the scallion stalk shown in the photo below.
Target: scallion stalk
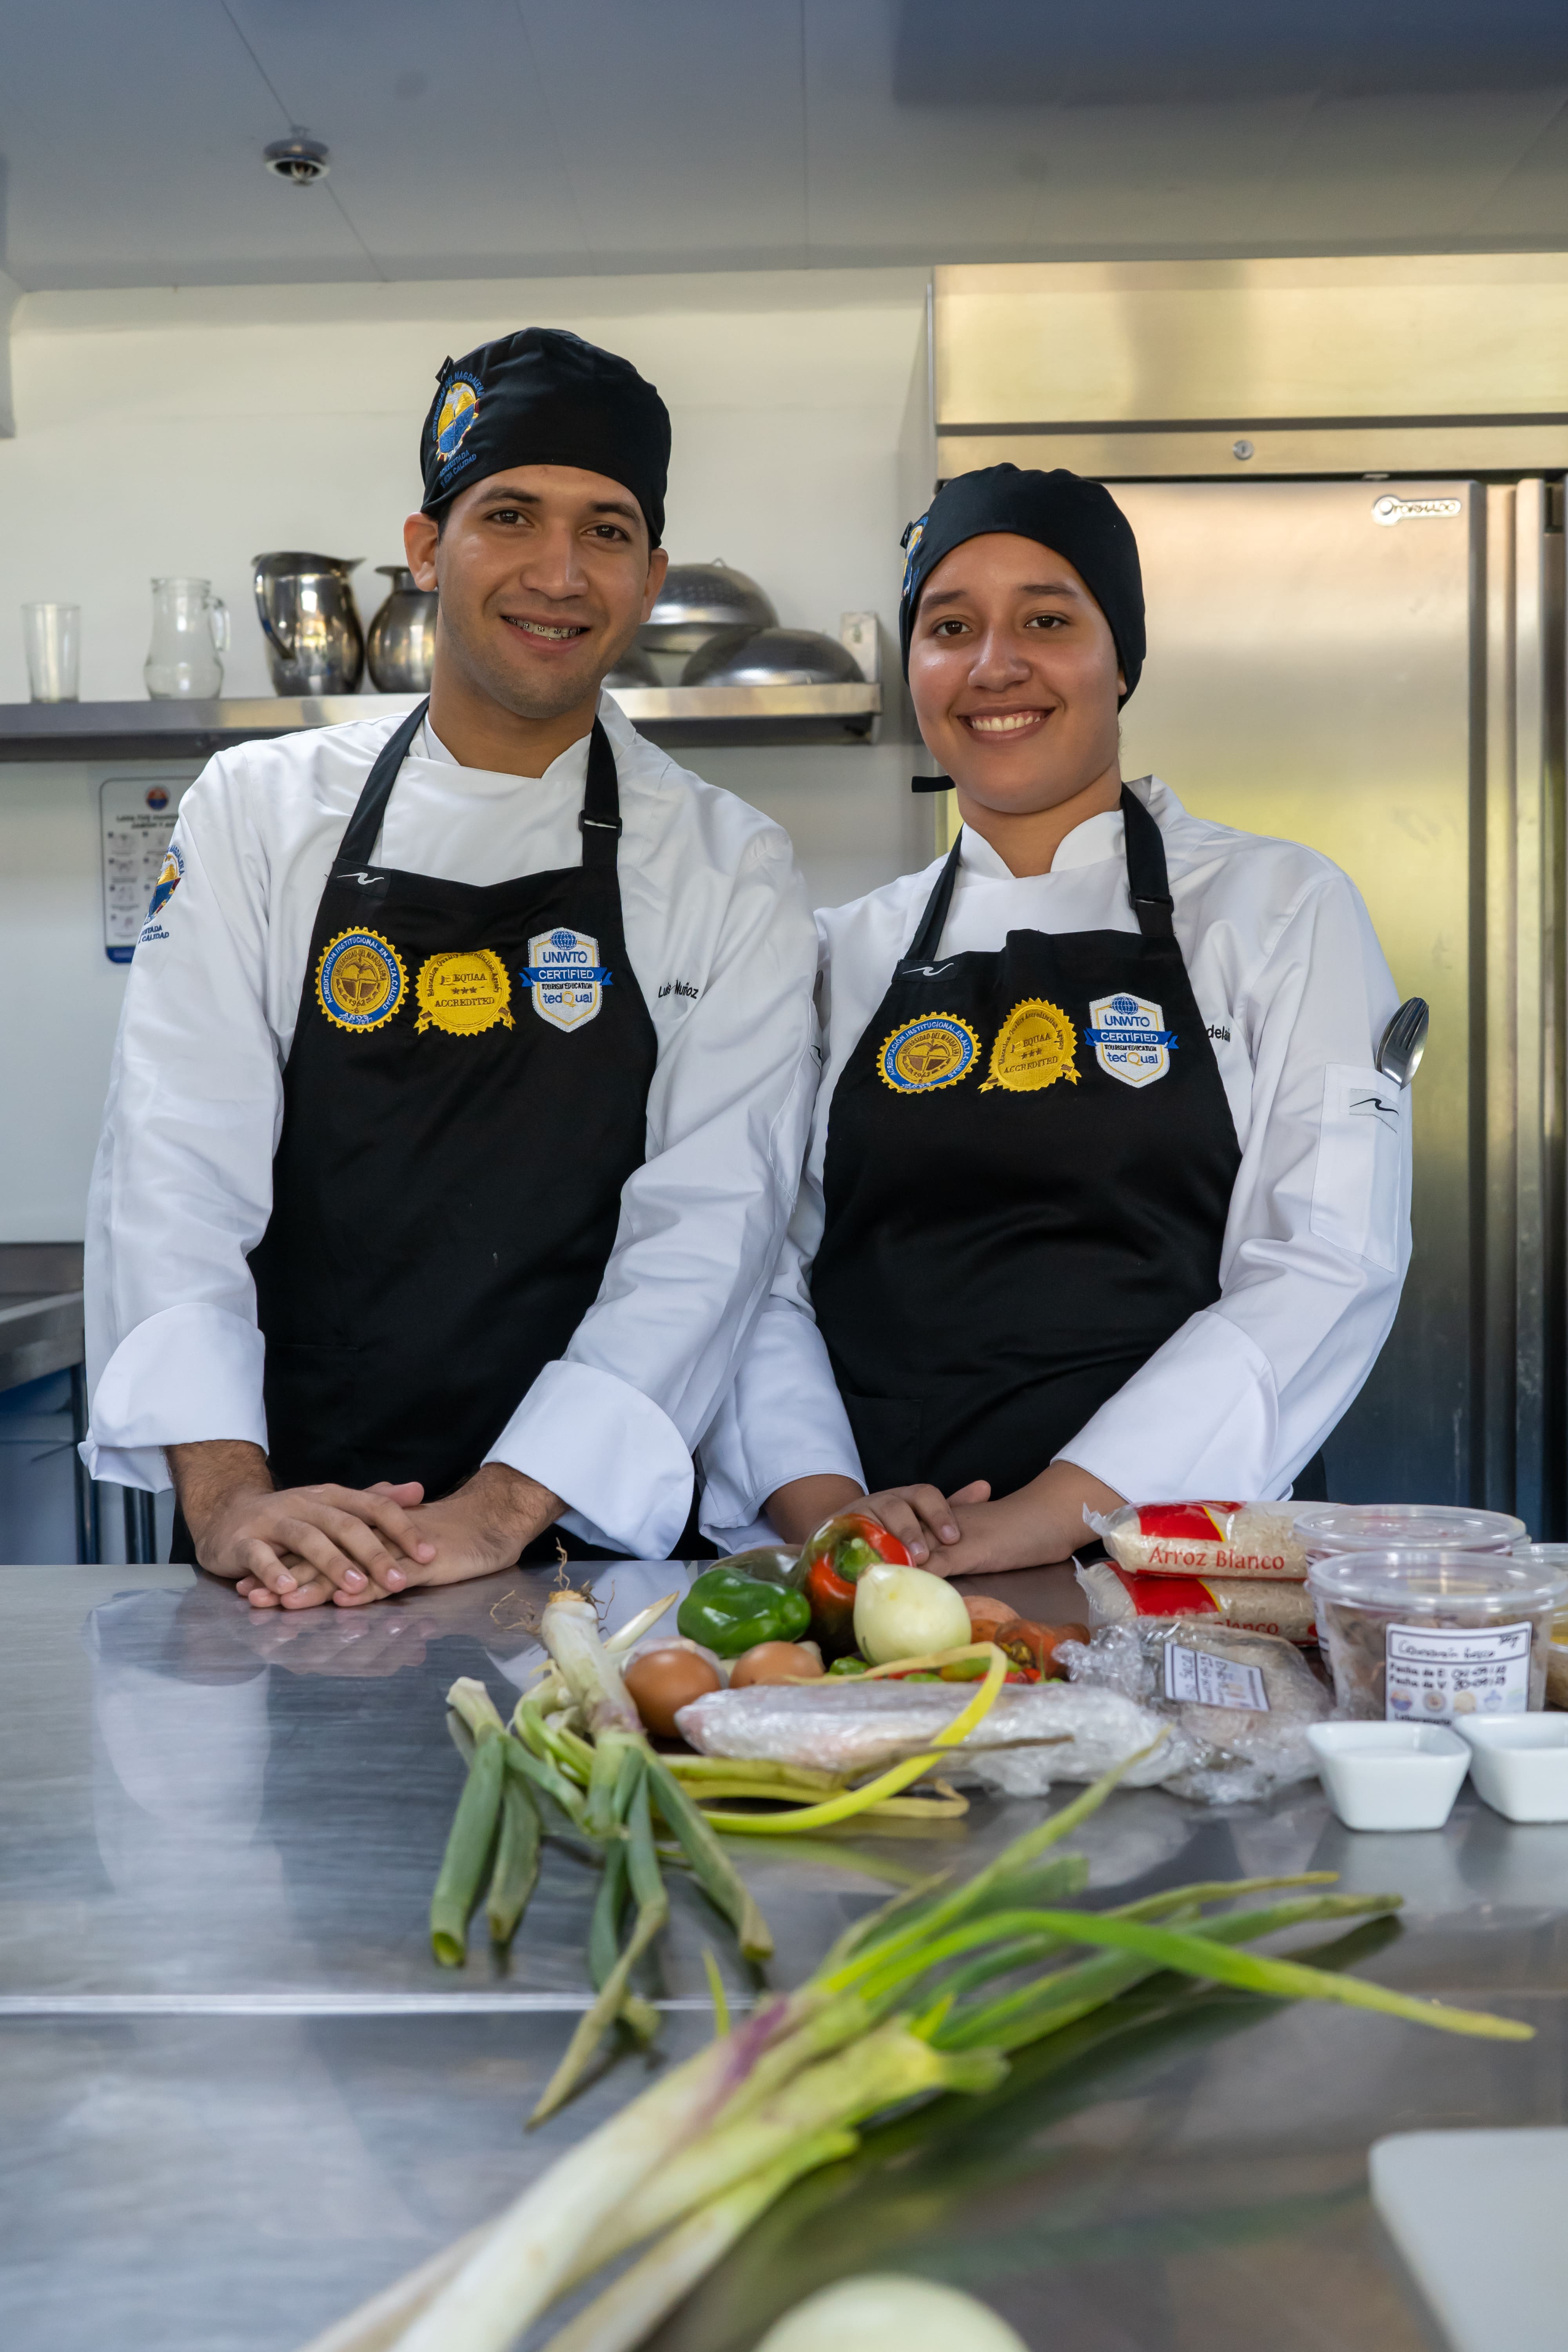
{"x": 515, "y": 1871}
{"x": 467, "y": 1851}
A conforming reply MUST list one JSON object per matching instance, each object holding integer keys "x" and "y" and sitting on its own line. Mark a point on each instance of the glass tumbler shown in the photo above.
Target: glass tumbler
{"x": 52, "y": 634}
{"x": 190, "y": 630}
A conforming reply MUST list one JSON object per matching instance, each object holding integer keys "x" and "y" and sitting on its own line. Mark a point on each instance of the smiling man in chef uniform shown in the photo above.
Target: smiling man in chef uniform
{"x": 464, "y": 1071}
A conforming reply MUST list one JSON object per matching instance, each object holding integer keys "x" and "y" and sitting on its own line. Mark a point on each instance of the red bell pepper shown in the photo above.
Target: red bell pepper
{"x": 835, "y": 1559}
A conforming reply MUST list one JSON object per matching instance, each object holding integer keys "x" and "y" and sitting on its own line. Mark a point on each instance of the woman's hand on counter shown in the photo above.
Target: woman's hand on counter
{"x": 920, "y": 1516}
{"x": 480, "y": 1528}
{"x": 924, "y": 1519}
{"x": 279, "y": 1544}
{"x": 1035, "y": 1527}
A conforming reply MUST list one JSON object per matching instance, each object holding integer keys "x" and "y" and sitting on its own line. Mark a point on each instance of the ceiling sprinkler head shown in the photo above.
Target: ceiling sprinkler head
{"x": 300, "y": 161}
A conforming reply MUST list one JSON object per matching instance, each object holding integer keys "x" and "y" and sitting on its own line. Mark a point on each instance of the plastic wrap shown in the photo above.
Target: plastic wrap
{"x": 1274, "y": 1605}
{"x": 1034, "y": 1733}
{"x": 1247, "y": 1540}
{"x": 1191, "y": 1672}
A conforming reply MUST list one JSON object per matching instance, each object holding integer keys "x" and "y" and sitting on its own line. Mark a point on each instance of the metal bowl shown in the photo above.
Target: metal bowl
{"x": 772, "y": 657}
{"x": 634, "y": 669}
{"x": 697, "y": 601}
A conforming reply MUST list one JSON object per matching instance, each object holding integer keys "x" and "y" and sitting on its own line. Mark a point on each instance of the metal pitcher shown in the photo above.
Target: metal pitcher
{"x": 314, "y": 643}
{"x": 401, "y": 647}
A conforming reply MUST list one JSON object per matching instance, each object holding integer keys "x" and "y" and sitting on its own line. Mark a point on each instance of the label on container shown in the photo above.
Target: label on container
{"x": 1198, "y": 1676}
{"x": 1436, "y": 1671}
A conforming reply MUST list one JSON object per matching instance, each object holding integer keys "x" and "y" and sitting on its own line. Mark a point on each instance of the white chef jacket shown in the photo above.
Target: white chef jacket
{"x": 1294, "y": 992}
{"x": 718, "y": 931}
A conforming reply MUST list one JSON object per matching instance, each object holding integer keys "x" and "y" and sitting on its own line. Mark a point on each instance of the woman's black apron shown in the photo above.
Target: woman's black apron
{"x": 1029, "y": 1165}
{"x": 465, "y": 1098}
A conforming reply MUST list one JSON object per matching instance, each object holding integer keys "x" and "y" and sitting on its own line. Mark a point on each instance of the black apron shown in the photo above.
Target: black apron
{"x": 465, "y": 1098}
{"x": 1029, "y": 1165}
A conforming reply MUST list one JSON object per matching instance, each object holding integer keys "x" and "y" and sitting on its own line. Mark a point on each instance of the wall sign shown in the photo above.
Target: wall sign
{"x": 137, "y": 816}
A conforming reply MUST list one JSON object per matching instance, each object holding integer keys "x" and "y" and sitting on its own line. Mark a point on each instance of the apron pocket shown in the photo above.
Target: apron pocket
{"x": 1356, "y": 1188}
{"x": 886, "y": 1438}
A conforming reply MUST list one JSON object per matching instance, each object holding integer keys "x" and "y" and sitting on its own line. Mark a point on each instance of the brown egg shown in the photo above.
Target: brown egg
{"x": 776, "y": 1662}
{"x": 662, "y": 1681}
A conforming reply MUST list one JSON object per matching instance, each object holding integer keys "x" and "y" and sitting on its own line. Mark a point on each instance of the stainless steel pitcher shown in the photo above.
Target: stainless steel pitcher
{"x": 314, "y": 643}
{"x": 401, "y": 647}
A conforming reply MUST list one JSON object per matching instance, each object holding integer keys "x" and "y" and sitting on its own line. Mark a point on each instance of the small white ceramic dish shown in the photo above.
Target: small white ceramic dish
{"x": 1390, "y": 1775}
{"x": 1520, "y": 1764}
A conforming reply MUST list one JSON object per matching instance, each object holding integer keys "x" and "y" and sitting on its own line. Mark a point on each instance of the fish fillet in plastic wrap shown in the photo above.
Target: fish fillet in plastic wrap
{"x": 1034, "y": 1735}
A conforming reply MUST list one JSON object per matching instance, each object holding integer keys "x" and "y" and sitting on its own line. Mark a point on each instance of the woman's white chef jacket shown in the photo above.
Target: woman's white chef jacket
{"x": 1292, "y": 986}
{"x": 720, "y": 934}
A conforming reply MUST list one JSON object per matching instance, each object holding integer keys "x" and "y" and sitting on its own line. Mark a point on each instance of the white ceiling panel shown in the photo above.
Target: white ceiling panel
{"x": 132, "y": 140}
{"x": 515, "y": 138}
{"x": 681, "y": 125}
{"x": 444, "y": 155}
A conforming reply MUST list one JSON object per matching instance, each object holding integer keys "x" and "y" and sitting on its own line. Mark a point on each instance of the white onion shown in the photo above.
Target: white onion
{"x": 906, "y": 1613}
{"x": 883, "y": 2312}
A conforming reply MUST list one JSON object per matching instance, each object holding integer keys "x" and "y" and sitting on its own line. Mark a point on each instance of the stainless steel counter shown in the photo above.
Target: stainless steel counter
{"x": 238, "y": 2094}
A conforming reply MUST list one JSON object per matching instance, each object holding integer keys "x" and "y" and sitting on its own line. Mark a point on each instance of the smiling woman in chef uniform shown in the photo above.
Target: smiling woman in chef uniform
{"x": 1105, "y": 1198}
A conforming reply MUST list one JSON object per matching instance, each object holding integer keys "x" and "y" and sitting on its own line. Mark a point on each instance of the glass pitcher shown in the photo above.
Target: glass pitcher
{"x": 190, "y": 630}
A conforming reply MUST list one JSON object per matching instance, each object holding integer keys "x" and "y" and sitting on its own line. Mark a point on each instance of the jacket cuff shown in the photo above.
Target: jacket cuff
{"x": 1200, "y": 1418}
{"x": 609, "y": 1452}
{"x": 187, "y": 1375}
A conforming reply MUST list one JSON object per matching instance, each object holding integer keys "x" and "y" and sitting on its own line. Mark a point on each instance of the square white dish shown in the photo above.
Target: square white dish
{"x": 1390, "y": 1775}
{"x": 1520, "y": 1764}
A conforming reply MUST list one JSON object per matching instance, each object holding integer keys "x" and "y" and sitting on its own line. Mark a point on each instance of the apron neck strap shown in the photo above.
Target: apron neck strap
{"x": 923, "y": 948}
{"x": 1148, "y": 886}
{"x": 357, "y": 848}
{"x": 1148, "y": 878}
{"x": 600, "y": 818}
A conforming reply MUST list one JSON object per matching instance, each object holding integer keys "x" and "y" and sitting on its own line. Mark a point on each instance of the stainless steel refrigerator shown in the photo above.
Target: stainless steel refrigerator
{"x": 1375, "y": 668}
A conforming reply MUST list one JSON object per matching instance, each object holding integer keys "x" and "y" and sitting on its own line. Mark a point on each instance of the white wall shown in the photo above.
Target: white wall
{"x": 186, "y": 431}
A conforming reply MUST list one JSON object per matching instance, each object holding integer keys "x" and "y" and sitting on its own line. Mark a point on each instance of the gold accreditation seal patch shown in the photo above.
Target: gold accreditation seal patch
{"x": 463, "y": 990}
{"x": 360, "y": 980}
{"x": 1035, "y": 1048}
{"x": 937, "y": 1050}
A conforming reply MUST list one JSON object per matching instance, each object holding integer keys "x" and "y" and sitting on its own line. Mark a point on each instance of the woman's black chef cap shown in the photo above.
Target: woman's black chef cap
{"x": 545, "y": 397}
{"x": 1080, "y": 519}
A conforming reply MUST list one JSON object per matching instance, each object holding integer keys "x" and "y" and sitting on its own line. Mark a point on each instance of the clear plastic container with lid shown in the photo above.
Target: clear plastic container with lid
{"x": 1426, "y": 1636}
{"x": 1404, "y": 1527}
{"x": 1551, "y": 1558}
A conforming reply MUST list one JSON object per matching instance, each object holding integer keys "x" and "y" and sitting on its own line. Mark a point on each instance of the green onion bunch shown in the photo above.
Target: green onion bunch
{"x": 930, "y": 1995}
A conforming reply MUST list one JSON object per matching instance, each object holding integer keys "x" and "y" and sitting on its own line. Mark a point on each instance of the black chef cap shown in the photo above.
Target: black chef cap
{"x": 545, "y": 397}
{"x": 1080, "y": 519}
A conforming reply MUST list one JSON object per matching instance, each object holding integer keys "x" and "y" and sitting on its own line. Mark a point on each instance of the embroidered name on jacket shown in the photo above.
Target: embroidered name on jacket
{"x": 1129, "y": 1038}
{"x": 566, "y": 977}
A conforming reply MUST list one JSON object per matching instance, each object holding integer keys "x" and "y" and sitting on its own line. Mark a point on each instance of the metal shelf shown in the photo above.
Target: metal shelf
{"x": 675, "y": 715}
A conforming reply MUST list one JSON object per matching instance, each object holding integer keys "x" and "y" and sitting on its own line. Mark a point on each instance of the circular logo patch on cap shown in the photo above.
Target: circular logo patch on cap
{"x": 459, "y": 411}
{"x": 360, "y": 980}
{"x": 935, "y": 1051}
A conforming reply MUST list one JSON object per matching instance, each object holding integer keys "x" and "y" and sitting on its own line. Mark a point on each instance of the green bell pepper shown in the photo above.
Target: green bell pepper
{"x": 729, "y": 1613}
